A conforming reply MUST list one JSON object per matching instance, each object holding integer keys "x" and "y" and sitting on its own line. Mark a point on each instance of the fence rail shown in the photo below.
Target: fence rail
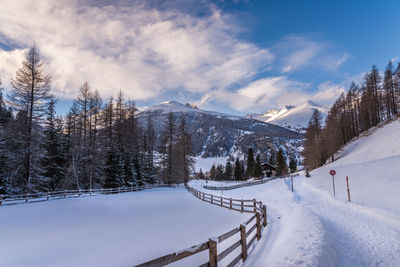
{"x": 230, "y": 187}
{"x": 256, "y": 222}
{"x": 44, "y": 196}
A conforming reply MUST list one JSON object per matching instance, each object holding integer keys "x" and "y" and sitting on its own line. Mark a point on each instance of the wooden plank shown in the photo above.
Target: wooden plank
{"x": 229, "y": 250}
{"x": 258, "y": 223}
{"x": 228, "y": 234}
{"x": 251, "y": 230}
{"x": 249, "y": 220}
{"x": 170, "y": 258}
{"x": 235, "y": 260}
{"x": 251, "y": 241}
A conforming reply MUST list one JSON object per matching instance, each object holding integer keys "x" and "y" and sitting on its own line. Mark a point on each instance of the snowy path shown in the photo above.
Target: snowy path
{"x": 311, "y": 228}
{"x": 113, "y": 230}
{"x": 358, "y": 238}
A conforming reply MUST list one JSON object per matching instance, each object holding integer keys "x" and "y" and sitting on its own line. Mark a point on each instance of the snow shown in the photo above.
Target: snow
{"x": 291, "y": 116}
{"x": 205, "y": 164}
{"x": 113, "y": 230}
{"x": 173, "y": 106}
{"x": 372, "y": 164}
{"x": 311, "y": 227}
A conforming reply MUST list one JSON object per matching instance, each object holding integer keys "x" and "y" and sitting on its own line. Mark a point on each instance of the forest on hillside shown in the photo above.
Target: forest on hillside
{"x": 364, "y": 106}
{"x": 97, "y": 144}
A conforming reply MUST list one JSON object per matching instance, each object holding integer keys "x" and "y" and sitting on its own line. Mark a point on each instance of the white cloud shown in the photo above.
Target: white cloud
{"x": 143, "y": 50}
{"x": 273, "y": 92}
{"x": 298, "y": 52}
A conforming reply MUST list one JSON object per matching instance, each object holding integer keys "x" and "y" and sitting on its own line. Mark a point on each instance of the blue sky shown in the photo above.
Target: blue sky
{"x": 230, "y": 56}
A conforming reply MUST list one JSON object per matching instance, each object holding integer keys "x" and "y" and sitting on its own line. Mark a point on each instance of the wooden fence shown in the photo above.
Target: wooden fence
{"x": 230, "y": 187}
{"x": 44, "y": 196}
{"x": 255, "y": 223}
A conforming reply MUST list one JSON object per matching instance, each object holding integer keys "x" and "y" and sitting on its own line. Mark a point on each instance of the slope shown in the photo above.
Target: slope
{"x": 372, "y": 163}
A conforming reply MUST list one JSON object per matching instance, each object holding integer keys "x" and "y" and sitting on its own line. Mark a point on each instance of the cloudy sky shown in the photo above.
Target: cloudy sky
{"x": 230, "y": 56}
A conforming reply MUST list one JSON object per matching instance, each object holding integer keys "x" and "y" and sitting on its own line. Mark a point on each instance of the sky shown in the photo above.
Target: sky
{"x": 236, "y": 57}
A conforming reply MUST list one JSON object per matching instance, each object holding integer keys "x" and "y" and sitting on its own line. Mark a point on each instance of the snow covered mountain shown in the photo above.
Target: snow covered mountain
{"x": 216, "y": 134}
{"x": 291, "y": 117}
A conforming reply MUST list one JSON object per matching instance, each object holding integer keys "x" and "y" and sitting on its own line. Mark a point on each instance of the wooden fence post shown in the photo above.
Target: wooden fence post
{"x": 65, "y": 193}
{"x": 230, "y": 203}
{"x": 258, "y": 225}
{"x": 48, "y": 195}
{"x": 243, "y": 241}
{"x": 1, "y": 199}
{"x": 264, "y": 215}
{"x": 203, "y": 196}
{"x": 212, "y": 249}
{"x": 255, "y": 203}
{"x": 242, "y": 208}
{"x": 211, "y": 199}
{"x": 221, "y": 201}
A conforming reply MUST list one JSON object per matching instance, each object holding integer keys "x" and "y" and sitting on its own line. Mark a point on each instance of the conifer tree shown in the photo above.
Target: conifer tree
{"x": 238, "y": 171}
{"x": 114, "y": 169}
{"x": 258, "y": 167}
{"x": 201, "y": 175}
{"x": 213, "y": 172}
{"x": 250, "y": 163}
{"x": 29, "y": 96}
{"x": 54, "y": 156}
{"x": 292, "y": 165}
{"x": 281, "y": 167}
{"x": 228, "y": 171}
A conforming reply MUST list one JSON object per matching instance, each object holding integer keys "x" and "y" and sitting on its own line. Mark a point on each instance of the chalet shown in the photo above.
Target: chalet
{"x": 268, "y": 169}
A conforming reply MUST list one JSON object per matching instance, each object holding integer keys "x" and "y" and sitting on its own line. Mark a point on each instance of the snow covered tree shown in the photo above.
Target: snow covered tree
{"x": 54, "y": 156}
{"x": 29, "y": 96}
{"x": 201, "y": 175}
{"x": 114, "y": 169}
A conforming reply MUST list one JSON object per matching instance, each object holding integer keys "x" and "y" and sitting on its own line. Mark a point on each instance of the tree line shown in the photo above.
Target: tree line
{"x": 365, "y": 105}
{"x": 97, "y": 144}
{"x": 240, "y": 170}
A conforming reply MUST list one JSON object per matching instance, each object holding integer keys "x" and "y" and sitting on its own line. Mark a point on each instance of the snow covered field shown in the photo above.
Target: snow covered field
{"x": 112, "y": 230}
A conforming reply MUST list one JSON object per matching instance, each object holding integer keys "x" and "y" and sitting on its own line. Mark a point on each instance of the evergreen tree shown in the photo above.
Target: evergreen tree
{"x": 228, "y": 171}
{"x": 213, "y": 173}
{"x": 258, "y": 171}
{"x": 201, "y": 175}
{"x": 219, "y": 173}
{"x": 281, "y": 167}
{"x": 114, "y": 169}
{"x": 292, "y": 165}
{"x": 238, "y": 171}
{"x": 54, "y": 156}
{"x": 250, "y": 163}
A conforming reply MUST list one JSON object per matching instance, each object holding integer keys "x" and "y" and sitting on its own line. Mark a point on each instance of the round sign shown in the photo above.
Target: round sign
{"x": 332, "y": 172}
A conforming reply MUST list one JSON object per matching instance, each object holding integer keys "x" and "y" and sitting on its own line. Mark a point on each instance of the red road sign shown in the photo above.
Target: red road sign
{"x": 332, "y": 172}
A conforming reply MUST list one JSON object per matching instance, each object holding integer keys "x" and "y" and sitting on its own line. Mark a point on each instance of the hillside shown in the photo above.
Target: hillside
{"x": 372, "y": 162}
{"x": 291, "y": 117}
{"x": 216, "y": 134}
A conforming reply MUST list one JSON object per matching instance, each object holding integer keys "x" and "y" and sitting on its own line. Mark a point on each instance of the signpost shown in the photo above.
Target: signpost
{"x": 333, "y": 172}
{"x": 348, "y": 188}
